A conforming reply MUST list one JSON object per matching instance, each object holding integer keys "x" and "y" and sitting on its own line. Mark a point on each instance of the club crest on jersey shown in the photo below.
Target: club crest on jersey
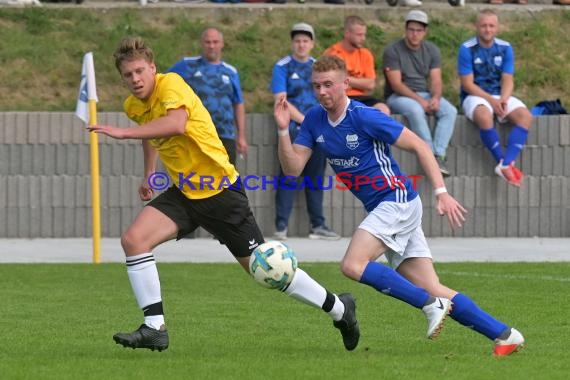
{"x": 498, "y": 60}
{"x": 352, "y": 141}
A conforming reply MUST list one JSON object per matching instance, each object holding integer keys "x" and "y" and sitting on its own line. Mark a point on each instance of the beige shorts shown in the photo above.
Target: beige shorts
{"x": 399, "y": 226}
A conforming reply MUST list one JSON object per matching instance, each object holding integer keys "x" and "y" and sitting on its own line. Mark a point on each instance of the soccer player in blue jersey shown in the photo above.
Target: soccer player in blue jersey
{"x": 292, "y": 79}
{"x": 486, "y": 67}
{"x": 217, "y": 84}
{"x": 356, "y": 140}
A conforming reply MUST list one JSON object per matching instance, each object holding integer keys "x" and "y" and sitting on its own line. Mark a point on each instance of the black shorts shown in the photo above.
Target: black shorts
{"x": 367, "y": 100}
{"x": 226, "y": 215}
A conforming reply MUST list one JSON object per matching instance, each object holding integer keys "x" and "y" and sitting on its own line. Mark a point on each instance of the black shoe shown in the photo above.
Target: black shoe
{"x": 442, "y": 167}
{"x": 144, "y": 337}
{"x": 348, "y": 325}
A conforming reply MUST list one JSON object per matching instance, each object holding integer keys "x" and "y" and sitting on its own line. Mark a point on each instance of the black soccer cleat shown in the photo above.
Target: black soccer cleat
{"x": 144, "y": 337}
{"x": 348, "y": 325}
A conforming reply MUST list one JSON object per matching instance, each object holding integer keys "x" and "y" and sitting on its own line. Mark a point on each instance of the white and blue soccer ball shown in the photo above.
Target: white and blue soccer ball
{"x": 273, "y": 265}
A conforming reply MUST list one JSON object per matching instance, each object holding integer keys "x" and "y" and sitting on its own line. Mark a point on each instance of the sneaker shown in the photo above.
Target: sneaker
{"x": 509, "y": 173}
{"x": 280, "y": 235}
{"x": 436, "y": 312}
{"x": 442, "y": 167}
{"x": 144, "y": 337}
{"x": 348, "y": 325}
{"x": 514, "y": 343}
{"x": 324, "y": 233}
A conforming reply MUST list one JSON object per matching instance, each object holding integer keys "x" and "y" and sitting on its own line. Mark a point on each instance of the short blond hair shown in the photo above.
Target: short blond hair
{"x": 349, "y": 21}
{"x": 329, "y": 63}
{"x": 131, "y": 48}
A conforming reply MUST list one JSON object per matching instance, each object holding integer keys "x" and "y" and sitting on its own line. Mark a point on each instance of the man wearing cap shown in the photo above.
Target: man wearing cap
{"x": 217, "y": 84}
{"x": 412, "y": 67}
{"x": 359, "y": 63}
{"x": 292, "y": 80}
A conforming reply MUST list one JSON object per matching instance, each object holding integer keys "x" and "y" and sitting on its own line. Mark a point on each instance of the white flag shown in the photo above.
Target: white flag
{"x": 87, "y": 88}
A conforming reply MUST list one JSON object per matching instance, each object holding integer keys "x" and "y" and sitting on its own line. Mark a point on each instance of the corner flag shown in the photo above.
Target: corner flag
{"x": 86, "y": 110}
{"x": 87, "y": 88}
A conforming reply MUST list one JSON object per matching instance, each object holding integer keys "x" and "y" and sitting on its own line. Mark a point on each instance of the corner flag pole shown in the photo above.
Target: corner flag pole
{"x": 87, "y": 111}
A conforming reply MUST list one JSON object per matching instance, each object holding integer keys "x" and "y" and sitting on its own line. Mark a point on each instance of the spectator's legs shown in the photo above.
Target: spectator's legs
{"x": 315, "y": 171}
{"x": 415, "y": 115}
{"x": 521, "y": 118}
{"x": 444, "y": 127}
{"x": 284, "y": 198}
{"x": 483, "y": 118}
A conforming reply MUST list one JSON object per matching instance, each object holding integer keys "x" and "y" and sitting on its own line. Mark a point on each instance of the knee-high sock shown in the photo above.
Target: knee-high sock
{"x": 145, "y": 282}
{"x": 491, "y": 140}
{"x": 466, "y": 312}
{"x": 516, "y": 142}
{"x": 387, "y": 281}
{"x": 305, "y": 289}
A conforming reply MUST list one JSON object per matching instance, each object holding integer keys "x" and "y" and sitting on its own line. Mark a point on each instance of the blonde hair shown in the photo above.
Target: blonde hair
{"x": 132, "y": 48}
{"x": 487, "y": 12}
{"x": 329, "y": 63}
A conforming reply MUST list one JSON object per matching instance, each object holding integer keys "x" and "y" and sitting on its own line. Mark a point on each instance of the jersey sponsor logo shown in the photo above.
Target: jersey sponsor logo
{"x": 351, "y": 162}
{"x": 352, "y": 142}
{"x": 498, "y": 60}
{"x": 320, "y": 139}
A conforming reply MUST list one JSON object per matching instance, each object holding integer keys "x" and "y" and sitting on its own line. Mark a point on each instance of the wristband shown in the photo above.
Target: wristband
{"x": 440, "y": 190}
{"x": 283, "y": 132}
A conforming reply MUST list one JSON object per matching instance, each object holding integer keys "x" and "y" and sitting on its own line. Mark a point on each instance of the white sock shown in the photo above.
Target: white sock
{"x": 338, "y": 309}
{"x": 143, "y": 276}
{"x": 309, "y": 291}
{"x": 154, "y": 321}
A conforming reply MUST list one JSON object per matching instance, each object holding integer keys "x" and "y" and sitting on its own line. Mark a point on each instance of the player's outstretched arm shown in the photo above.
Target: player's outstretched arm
{"x": 172, "y": 124}
{"x": 446, "y": 204}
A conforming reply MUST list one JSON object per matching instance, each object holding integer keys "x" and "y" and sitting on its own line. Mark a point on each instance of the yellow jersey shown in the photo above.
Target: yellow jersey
{"x": 196, "y": 162}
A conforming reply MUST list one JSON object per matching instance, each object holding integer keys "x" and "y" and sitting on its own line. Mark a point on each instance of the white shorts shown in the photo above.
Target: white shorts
{"x": 471, "y": 102}
{"x": 399, "y": 226}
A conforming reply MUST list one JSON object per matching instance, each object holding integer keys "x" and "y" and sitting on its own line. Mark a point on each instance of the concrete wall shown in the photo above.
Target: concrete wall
{"x": 45, "y": 181}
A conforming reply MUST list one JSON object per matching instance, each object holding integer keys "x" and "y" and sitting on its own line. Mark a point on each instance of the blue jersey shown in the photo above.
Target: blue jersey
{"x": 294, "y": 78}
{"x": 218, "y": 86}
{"x": 486, "y": 64}
{"x": 358, "y": 149}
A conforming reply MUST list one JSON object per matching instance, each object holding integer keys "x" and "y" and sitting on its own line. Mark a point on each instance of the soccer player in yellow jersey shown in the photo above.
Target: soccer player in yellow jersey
{"x": 175, "y": 126}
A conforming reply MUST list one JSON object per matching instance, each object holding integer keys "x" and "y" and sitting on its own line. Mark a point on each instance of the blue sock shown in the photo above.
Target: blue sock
{"x": 517, "y": 139}
{"x": 466, "y": 312}
{"x": 491, "y": 140}
{"x": 386, "y": 280}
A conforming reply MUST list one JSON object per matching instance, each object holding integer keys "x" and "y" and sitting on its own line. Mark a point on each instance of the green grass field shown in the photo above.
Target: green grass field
{"x": 57, "y": 322}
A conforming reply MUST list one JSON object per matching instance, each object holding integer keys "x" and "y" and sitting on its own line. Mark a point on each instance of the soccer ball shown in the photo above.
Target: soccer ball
{"x": 273, "y": 265}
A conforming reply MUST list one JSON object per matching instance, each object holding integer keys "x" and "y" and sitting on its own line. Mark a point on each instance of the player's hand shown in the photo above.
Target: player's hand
{"x": 145, "y": 191}
{"x": 241, "y": 146}
{"x": 114, "y": 132}
{"x": 281, "y": 114}
{"x": 448, "y": 206}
